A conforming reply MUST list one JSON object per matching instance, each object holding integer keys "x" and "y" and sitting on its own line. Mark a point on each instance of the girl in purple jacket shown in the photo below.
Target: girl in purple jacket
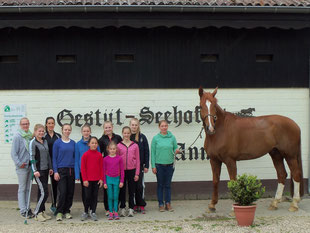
{"x": 129, "y": 151}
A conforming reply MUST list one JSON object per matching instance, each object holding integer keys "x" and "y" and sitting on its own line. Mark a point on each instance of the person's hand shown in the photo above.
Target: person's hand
{"x": 121, "y": 185}
{"x": 85, "y": 183}
{"x": 177, "y": 151}
{"x": 36, "y": 174}
{"x": 51, "y": 172}
{"x": 23, "y": 165}
{"x": 146, "y": 170}
{"x": 100, "y": 182}
{"x": 105, "y": 186}
{"x": 136, "y": 178}
{"x": 154, "y": 170}
{"x": 56, "y": 176}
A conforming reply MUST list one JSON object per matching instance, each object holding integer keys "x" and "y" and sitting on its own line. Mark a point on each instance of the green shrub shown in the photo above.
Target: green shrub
{"x": 246, "y": 189}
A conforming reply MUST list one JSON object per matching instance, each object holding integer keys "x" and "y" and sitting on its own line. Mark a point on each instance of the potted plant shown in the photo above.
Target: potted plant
{"x": 245, "y": 190}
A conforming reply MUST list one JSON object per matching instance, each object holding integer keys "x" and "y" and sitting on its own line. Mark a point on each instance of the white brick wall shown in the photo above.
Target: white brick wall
{"x": 293, "y": 103}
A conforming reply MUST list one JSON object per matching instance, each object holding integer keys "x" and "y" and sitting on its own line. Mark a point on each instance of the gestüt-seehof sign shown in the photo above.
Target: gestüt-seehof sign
{"x": 146, "y": 116}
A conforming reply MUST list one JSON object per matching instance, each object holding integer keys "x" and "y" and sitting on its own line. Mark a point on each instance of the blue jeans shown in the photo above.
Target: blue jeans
{"x": 164, "y": 176}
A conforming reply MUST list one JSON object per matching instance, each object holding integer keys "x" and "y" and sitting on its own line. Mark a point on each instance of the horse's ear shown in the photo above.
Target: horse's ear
{"x": 214, "y": 92}
{"x": 200, "y": 91}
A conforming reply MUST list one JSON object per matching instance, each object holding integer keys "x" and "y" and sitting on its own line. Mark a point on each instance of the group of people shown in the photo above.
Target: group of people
{"x": 113, "y": 162}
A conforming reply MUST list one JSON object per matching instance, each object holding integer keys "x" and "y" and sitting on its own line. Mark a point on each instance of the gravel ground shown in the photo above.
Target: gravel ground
{"x": 189, "y": 216}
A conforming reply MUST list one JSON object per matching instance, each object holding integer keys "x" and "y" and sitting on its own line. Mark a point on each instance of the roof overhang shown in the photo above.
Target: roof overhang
{"x": 149, "y": 16}
{"x": 154, "y": 8}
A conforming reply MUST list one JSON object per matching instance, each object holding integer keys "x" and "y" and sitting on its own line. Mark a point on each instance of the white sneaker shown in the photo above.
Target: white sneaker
{"x": 46, "y": 216}
{"x": 39, "y": 217}
{"x": 130, "y": 214}
{"x": 122, "y": 212}
{"x": 94, "y": 216}
{"x": 68, "y": 216}
{"x": 84, "y": 216}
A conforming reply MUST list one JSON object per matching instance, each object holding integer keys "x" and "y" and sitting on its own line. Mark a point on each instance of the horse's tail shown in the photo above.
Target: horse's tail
{"x": 301, "y": 187}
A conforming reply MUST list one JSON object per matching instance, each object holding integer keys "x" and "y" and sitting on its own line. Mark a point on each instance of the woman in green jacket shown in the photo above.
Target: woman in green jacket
{"x": 163, "y": 149}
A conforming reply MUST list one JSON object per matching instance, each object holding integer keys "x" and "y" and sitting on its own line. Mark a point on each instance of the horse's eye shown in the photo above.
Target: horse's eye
{"x": 215, "y": 118}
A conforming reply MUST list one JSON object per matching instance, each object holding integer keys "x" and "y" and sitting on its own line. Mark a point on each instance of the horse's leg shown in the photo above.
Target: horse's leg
{"x": 278, "y": 163}
{"x": 232, "y": 171}
{"x": 216, "y": 172}
{"x": 296, "y": 176}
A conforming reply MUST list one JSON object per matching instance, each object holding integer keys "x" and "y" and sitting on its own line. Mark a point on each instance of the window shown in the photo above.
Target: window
{"x": 124, "y": 58}
{"x": 209, "y": 57}
{"x": 9, "y": 59}
{"x": 66, "y": 58}
{"x": 264, "y": 57}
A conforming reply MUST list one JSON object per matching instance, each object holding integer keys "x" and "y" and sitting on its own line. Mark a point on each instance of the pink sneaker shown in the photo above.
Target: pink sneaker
{"x": 110, "y": 216}
{"x": 142, "y": 209}
{"x": 135, "y": 209}
{"x": 116, "y": 217}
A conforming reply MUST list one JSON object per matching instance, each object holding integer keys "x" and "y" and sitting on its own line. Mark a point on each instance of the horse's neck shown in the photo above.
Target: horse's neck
{"x": 219, "y": 112}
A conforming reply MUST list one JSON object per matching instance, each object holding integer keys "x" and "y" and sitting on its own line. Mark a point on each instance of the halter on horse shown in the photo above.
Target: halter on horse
{"x": 230, "y": 138}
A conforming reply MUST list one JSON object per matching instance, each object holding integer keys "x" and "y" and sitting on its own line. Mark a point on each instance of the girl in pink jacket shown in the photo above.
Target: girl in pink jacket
{"x": 129, "y": 151}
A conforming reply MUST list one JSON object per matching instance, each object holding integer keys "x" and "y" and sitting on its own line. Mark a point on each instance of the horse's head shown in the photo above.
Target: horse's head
{"x": 208, "y": 110}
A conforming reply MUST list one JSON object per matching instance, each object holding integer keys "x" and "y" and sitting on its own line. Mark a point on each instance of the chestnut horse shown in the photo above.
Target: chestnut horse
{"x": 230, "y": 138}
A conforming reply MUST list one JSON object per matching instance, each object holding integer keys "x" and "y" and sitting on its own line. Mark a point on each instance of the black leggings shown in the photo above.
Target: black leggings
{"x": 91, "y": 196}
{"x": 129, "y": 179}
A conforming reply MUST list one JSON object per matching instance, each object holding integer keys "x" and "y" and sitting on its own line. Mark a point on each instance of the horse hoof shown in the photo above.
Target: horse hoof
{"x": 211, "y": 210}
{"x": 293, "y": 209}
{"x": 272, "y": 207}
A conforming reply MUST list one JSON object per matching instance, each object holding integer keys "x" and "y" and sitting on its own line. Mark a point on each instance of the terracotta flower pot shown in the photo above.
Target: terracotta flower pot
{"x": 244, "y": 214}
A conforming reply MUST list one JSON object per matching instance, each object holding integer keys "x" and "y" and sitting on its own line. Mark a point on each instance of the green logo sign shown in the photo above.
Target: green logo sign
{"x": 7, "y": 108}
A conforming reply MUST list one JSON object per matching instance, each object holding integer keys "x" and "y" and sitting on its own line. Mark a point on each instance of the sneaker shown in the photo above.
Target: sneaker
{"x": 46, "y": 216}
{"x": 122, "y": 212}
{"x": 142, "y": 209}
{"x": 30, "y": 214}
{"x": 84, "y": 216}
{"x": 53, "y": 209}
{"x": 161, "y": 208}
{"x": 68, "y": 216}
{"x": 23, "y": 215}
{"x": 93, "y": 216}
{"x": 110, "y": 216}
{"x": 169, "y": 208}
{"x": 39, "y": 217}
{"x": 116, "y": 217}
{"x": 136, "y": 209}
{"x": 107, "y": 213}
{"x": 130, "y": 213}
{"x": 59, "y": 217}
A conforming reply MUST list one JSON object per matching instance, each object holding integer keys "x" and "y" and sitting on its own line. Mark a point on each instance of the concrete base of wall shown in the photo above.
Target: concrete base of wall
{"x": 191, "y": 190}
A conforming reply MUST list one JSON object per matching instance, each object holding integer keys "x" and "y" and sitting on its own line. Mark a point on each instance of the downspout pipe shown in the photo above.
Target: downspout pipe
{"x": 308, "y": 131}
{"x": 154, "y": 8}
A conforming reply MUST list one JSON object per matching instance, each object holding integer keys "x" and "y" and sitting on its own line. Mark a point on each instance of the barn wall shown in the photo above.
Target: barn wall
{"x": 293, "y": 102}
{"x": 121, "y": 58}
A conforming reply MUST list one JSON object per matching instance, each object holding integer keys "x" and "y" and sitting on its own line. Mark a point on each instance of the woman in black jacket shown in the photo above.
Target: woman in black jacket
{"x": 51, "y": 136}
{"x": 144, "y": 152}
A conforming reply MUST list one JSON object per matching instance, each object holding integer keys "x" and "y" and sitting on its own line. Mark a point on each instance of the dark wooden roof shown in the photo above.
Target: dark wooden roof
{"x": 263, "y": 3}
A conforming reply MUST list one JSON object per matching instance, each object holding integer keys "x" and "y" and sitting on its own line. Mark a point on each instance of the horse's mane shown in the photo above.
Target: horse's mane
{"x": 223, "y": 112}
